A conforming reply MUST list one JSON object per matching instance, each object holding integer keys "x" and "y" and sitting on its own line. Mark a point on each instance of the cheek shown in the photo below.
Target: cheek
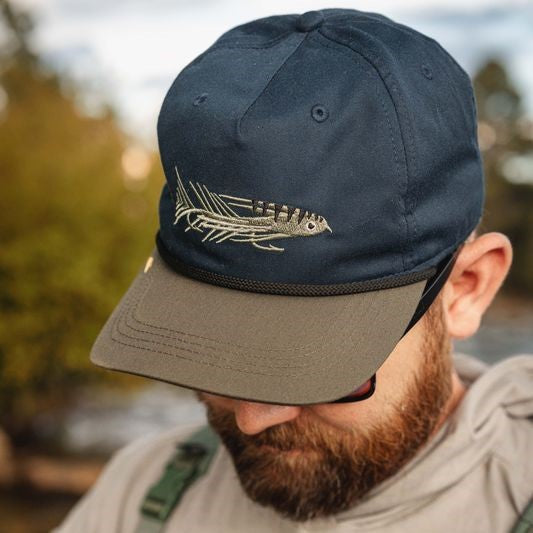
{"x": 364, "y": 414}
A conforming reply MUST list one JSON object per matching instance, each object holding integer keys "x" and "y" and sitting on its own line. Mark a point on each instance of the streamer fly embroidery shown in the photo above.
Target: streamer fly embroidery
{"x": 220, "y": 222}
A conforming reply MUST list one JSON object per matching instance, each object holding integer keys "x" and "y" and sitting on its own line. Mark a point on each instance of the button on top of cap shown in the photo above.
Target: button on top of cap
{"x": 309, "y": 20}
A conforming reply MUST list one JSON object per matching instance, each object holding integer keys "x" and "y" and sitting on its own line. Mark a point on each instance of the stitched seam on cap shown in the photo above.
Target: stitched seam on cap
{"x": 447, "y": 57}
{"x": 216, "y": 356}
{"x": 402, "y": 199}
{"x": 205, "y": 363}
{"x": 116, "y": 330}
{"x": 214, "y": 341}
{"x": 230, "y": 344}
{"x": 134, "y": 307}
{"x": 266, "y": 44}
{"x": 417, "y": 35}
{"x": 404, "y": 131}
{"x": 127, "y": 308}
{"x": 397, "y": 172}
{"x": 268, "y": 83}
{"x": 191, "y": 343}
{"x": 335, "y": 51}
{"x": 214, "y": 48}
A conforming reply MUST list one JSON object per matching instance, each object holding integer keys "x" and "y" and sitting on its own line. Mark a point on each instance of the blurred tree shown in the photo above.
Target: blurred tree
{"x": 79, "y": 216}
{"x": 17, "y": 25}
{"x": 506, "y": 140}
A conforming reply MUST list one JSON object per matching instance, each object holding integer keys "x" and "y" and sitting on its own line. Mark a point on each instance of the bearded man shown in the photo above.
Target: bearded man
{"x": 316, "y": 257}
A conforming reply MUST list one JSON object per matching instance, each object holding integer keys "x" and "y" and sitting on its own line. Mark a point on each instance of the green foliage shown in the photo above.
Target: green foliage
{"x": 75, "y": 230}
{"x": 507, "y": 138}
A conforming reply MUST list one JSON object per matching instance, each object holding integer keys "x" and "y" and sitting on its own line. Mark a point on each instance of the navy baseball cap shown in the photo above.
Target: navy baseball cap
{"x": 319, "y": 168}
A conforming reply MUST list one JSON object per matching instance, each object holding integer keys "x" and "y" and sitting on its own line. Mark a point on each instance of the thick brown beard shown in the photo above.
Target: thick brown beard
{"x": 329, "y": 471}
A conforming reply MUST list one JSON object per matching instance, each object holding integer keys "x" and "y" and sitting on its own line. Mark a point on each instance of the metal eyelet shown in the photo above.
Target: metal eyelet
{"x": 426, "y": 71}
{"x": 319, "y": 113}
{"x": 200, "y": 99}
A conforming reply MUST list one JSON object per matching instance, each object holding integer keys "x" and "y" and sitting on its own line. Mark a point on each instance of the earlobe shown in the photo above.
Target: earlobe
{"x": 479, "y": 272}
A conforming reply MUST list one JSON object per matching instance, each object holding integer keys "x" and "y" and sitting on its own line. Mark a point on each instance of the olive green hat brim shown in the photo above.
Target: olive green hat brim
{"x": 254, "y": 346}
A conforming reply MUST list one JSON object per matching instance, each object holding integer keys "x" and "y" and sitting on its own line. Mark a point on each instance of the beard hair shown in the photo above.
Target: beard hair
{"x": 330, "y": 470}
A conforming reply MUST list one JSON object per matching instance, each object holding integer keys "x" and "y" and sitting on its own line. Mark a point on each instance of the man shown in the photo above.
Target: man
{"x": 317, "y": 255}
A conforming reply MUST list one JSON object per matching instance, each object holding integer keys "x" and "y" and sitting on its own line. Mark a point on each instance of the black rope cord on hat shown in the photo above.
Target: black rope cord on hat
{"x": 290, "y": 289}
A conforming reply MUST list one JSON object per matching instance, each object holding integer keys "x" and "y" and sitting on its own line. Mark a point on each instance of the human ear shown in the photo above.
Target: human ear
{"x": 480, "y": 269}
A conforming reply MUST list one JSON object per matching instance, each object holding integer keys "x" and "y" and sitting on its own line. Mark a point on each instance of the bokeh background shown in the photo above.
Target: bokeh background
{"x": 81, "y": 83}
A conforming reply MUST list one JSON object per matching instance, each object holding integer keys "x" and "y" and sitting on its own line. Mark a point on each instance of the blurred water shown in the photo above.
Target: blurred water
{"x": 506, "y": 329}
{"x": 495, "y": 342}
{"x": 104, "y": 422}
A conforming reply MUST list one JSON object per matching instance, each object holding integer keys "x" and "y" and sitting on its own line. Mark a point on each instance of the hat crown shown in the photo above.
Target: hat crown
{"x": 331, "y": 147}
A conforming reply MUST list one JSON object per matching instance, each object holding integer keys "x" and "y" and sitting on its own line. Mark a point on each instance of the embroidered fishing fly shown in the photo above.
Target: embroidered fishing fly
{"x": 216, "y": 218}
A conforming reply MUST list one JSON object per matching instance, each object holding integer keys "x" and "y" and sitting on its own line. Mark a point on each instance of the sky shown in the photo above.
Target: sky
{"x": 128, "y": 52}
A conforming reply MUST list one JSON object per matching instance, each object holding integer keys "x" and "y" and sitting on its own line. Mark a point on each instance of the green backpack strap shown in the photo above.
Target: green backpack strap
{"x": 190, "y": 461}
{"x": 525, "y": 523}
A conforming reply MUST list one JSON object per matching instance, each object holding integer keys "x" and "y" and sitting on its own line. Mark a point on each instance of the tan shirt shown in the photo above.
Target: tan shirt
{"x": 475, "y": 475}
